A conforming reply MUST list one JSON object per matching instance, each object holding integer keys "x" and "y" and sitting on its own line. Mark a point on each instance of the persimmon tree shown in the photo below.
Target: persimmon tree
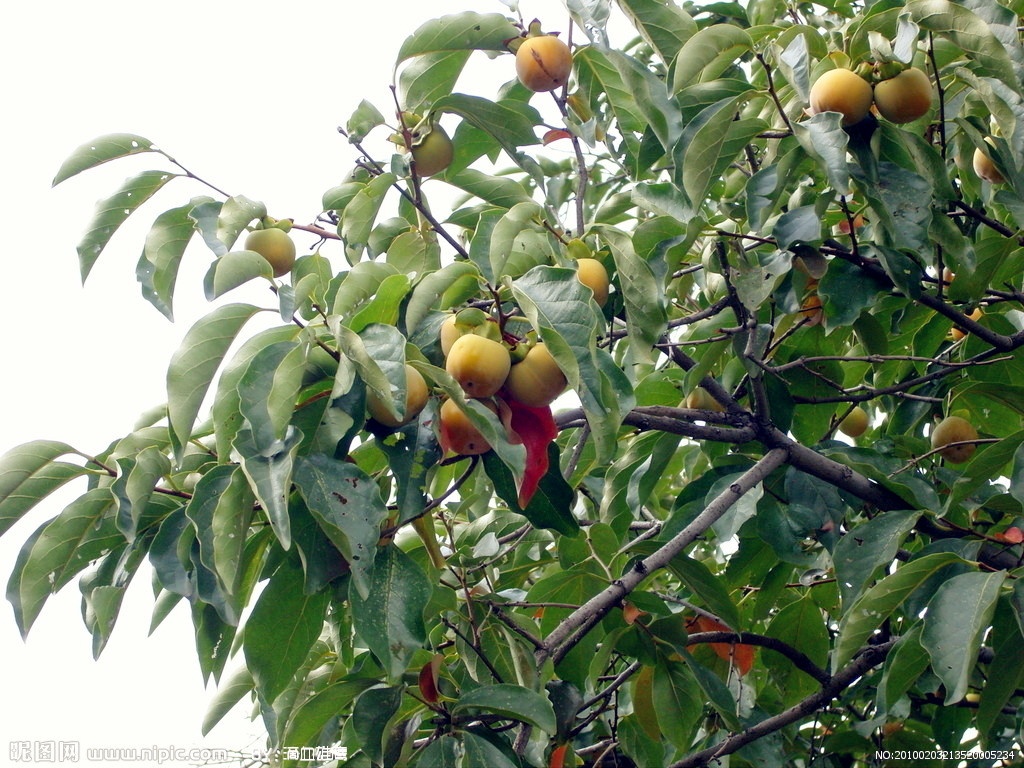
{"x": 680, "y": 561}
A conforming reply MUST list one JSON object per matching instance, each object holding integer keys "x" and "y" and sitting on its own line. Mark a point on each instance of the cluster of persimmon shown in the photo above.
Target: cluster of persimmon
{"x": 900, "y": 98}
{"x": 479, "y": 358}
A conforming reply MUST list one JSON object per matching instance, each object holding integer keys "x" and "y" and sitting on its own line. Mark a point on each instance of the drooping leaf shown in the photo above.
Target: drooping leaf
{"x": 113, "y": 211}
{"x": 666, "y": 27}
{"x": 874, "y": 605}
{"x": 60, "y": 549}
{"x": 28, "y": 474}
{"x": 268, "y": 390}
{"x": 194, "y": 364}
{"x": 957, "y": 619}
{"x": 867, "y": 547}
{"x": 269, "y": 470}
{"x": 228, "y": 695}
{"x": 389, "y": 619}
{"x": 157, "y": 271}
{"x": 133, "y": 487}
{"x": 347, "y": 504}
{"x": 282, "y": 628}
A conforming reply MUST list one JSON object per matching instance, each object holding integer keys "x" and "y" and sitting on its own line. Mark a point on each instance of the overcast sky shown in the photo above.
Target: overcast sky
{"x": 246, "y": 94}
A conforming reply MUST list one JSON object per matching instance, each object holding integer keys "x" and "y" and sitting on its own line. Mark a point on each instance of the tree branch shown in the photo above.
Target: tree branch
{"x": 575, "y": 626}
{"x": 869, "y": 658}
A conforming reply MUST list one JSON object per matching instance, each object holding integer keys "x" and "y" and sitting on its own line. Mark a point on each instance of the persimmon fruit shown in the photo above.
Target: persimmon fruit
{"x": 843, "y": 91}
{"x": 416, "y": 395}
{"x": 536, "y": 380}
{"x": 954, "y": 429}
{"x": 479, "y": 365}
{"x": 543, "y": 63}
{"x": 904, "y": 98}
{"x": 275, "y": 246}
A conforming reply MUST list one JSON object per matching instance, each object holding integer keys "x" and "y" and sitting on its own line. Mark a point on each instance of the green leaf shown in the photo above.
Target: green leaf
{"x": 268, "y": 389}
{"x": 512, "y": 126}
{"x": 481, "y": 753}
{"x": 283, "y": 626}
{"x": 309, "y": 718}
{"x": 510, "y": 701}
{"x": 495, "y": 190}
{"x": 102, "y": 150}
{"x": 430, "y": 76}
{"x": 802, "y": 626}
{"x": 958, "y": 617}
{"x": 385, "y": 306}
{"x": 868, "y": 547}
{"x": 232, "y": 218}
{"x": 228, "y": 695}
{"x": 678, "y": 702}
{"x": 269, "y": 470}
{"x": 643, "y": 290}
{"x": 26, "y": 477}
{"x": 358, "y": 286}
{"x": 651, "y": 98}
{"x": 347, "y": 504}
{"x": 58, "y": 550}
{"x": 823, "y": 138}
{"x": 506, "y": 229}
{"x": 194, "y": 364}
{"x": 664, "y": 26}
{"x": 157, "y": 271}
{"x": 234, "y": 269}
{"x": 599, "y": 77}
{"x": 113, "y": 211}
{"x": 562, "y": 310}
{"x": 378, "y": 354}
{"x": 847, "y": 290}
{"x": 708, "y": 587}
{"x": 372, "y": 721}
{"x": 389, "y": 619}
{"x": 429, "y": 290}
{"x": 136, "y": 478}
{"x": 1008, "y": 647}
{"x": 411, "y": 455}
{"x": 708, "y": 53}
{"x": 701, "y": 147}
{"x": 901, "y": 202}
{"x": 967, "y": 32}
{"x": 221, "y": 509}
{"x": 445, "y": 752}
{"x": 798, "y": 225}
{"x": 872, "y": 608}
{"x": 365, "y": 118}
{"x": 459, "y": 31}
{"x": 903, "y": 666}
{"x": 360, "y": 214}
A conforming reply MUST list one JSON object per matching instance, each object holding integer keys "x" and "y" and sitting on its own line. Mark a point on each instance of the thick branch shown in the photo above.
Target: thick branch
{"x": 871, "y": 657}
{"x": 577, "y": 624}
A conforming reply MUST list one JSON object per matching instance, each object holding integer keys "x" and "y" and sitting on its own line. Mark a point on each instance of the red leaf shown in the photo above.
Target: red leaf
{"x": 1012, "y": 535}
{"x": 738, "y": 653}
{"x": 536, "y": 428}
{"x": 557, "y": 759}
{"x": 555, "y": 134}
{"x": 631, "y": 613}
{"x": 428, "y": 679}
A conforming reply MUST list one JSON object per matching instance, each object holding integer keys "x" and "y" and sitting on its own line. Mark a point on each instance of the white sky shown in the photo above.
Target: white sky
{"x": 245, "y": 94}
